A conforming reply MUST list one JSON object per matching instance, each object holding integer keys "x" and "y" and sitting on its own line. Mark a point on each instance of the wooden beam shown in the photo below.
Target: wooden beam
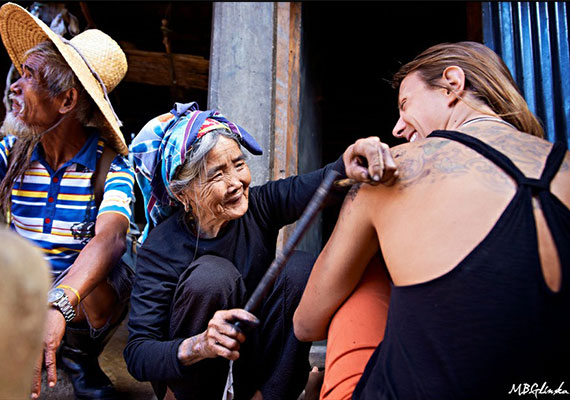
{"x": 161, "y": 69}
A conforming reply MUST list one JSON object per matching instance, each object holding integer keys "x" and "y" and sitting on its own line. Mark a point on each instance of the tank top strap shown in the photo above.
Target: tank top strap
{"x": 553, "y": 161}
{"x": 486, "y": 151}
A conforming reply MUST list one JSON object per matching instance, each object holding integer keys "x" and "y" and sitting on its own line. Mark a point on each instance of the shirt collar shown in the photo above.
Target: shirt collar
{"x": 86, "y": 157}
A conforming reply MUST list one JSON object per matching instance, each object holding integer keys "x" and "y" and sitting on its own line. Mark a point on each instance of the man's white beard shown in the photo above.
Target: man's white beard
{"x": 13, "y": 126}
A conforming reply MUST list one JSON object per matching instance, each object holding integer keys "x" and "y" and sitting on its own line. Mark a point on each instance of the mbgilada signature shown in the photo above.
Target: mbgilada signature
{"x": 537, "y": 389}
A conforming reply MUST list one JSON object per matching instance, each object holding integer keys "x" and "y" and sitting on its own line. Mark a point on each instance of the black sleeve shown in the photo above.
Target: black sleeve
{"x": 282, "y": 202}
{"x": 148, "y": 353}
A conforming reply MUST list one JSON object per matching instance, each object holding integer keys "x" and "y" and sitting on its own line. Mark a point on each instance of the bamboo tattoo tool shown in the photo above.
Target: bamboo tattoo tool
{"x": 283, "y": 256}
{"x": 266, "y": 283}
{"x": 342, "y": 183}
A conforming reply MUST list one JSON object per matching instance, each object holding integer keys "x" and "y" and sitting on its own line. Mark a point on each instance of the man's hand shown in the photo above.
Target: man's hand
{"x": 369, "y": 160}
{"x": 53, "y": 334}
{"x": 221, "y": 339}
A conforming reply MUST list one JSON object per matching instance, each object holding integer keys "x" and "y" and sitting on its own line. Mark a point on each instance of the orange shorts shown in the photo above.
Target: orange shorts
{"x": 355, "y": 331}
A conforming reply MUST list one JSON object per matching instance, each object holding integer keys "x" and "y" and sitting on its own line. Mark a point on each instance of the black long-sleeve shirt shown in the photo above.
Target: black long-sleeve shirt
{"x": 249, "y": 242}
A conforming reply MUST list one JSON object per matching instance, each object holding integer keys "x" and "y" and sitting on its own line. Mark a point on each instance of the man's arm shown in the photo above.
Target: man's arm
{"x": 99, "y": 256}
{"x": 104, "y": 250}
{"x": 90, "y": 268}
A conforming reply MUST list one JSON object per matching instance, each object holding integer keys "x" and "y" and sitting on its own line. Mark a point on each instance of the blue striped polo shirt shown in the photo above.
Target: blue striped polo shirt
{"x": 56, "y": 209}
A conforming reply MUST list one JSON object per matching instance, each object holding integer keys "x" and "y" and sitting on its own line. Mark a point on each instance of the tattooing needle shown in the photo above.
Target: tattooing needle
{"x": 341, "y": 183}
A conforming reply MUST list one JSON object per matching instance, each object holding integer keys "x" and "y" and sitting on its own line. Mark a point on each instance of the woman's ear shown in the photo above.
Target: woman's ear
{"x": 453, "y": 78}
{"x": 181, "y": 199}
{"x": 184, "y": 197}
{"x": 69, "y": 100}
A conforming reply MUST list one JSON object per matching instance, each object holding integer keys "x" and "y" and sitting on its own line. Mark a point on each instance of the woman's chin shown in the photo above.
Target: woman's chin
{"x": 237, "y": 210}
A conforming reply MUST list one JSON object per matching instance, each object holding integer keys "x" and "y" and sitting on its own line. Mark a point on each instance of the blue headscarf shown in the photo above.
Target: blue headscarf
{"x": 160, "y": 148}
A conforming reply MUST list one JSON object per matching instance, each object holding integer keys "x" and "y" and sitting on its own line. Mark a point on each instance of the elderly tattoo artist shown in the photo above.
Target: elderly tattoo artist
{"x": 212, "y": 241}
{"x": 58, "y": 132}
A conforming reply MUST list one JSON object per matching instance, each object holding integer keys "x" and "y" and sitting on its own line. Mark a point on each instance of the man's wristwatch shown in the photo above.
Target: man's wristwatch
{"x": 58, "y": 299}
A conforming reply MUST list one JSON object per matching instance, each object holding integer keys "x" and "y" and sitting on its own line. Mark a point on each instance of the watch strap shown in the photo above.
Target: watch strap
{"x": 65, "y": 307}
{"x": 75, "y": 292}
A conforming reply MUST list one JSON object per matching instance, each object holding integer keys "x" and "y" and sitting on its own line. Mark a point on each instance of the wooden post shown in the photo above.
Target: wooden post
{"x": 286, "y": 95}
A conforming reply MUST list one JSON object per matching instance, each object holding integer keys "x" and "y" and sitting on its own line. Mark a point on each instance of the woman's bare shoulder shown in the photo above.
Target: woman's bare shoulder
{"x": 527, "y": 152}
{"x": 416, "y": 165}
{"x": 430, "y": 161}
{"x": 434, "y": 159}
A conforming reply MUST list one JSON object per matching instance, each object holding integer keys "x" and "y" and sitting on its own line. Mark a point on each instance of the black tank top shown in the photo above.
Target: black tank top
{"x": 490, "y": 325}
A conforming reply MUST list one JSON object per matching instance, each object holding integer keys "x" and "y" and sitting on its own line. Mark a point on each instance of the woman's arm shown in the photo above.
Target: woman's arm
{"x": 339, "y": 267}
{"x": 367, "y": 160}
{"x": 149, "y": 354}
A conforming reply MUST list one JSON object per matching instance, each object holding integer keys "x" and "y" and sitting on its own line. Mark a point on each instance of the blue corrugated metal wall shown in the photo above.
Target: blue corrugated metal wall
{"x": 532, "y": 38}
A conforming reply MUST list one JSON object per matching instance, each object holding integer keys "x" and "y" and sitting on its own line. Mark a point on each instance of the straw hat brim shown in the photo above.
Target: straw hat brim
{"x": 21, "y": 31}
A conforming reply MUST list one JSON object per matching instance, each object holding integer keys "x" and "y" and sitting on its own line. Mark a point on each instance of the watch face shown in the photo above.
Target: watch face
{"x": 54, "y": 295}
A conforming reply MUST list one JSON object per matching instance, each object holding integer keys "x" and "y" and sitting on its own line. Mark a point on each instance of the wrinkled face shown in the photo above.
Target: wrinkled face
{"x": 422, "y": 109}
{"x": 222, "y": 195}
{"x": 33, "y": 110}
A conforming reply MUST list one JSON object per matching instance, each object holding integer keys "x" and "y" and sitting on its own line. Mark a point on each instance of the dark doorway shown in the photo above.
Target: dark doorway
{"x": 351, "y": 50}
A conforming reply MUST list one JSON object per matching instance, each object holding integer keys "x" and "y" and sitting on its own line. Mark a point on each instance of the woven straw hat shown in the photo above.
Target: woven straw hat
{"x": 21, "y": 31}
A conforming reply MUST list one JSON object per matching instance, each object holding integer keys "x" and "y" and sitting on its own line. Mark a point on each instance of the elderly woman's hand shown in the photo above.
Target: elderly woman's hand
{"x": 370, "y": 160}
{"x": 221, "y": 338}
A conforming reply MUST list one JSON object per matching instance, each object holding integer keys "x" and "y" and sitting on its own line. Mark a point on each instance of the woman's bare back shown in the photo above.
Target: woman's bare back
{"x": 449, "y": 197}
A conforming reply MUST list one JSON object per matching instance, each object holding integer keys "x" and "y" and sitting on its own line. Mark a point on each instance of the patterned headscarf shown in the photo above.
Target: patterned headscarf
{"x": 161, "y": 147}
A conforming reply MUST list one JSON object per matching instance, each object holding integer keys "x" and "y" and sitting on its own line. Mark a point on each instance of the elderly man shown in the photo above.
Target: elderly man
{"x": 67, "y": 187}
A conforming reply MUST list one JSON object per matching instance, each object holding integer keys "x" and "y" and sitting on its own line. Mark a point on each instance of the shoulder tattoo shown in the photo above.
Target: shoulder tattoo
{"x": 430, "y": 157}
{"x": 354, "y": 191}
{"x": 435, "y": 160}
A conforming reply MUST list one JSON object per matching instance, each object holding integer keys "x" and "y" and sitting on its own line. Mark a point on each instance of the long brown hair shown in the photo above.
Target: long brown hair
{"x": 57, "y": 77}
{"x": 486, "y": 77}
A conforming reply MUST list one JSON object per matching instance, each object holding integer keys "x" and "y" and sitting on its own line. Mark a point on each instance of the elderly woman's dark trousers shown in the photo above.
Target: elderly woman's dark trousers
{"x": 271, "y": 359}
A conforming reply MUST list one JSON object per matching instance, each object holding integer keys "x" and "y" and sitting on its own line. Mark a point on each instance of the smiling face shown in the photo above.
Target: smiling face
{"x": 422, "y": 109}
{"x": 222, "y": 194}
{"x": 33, "y": 109}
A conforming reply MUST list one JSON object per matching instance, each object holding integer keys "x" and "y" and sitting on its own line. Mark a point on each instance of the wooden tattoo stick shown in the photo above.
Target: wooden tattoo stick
{"x": 262, "y": 289}
{"x": 311, "y": 211}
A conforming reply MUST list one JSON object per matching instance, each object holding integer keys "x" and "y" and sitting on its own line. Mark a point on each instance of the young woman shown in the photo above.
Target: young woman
{"x": 474, "y": 236}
